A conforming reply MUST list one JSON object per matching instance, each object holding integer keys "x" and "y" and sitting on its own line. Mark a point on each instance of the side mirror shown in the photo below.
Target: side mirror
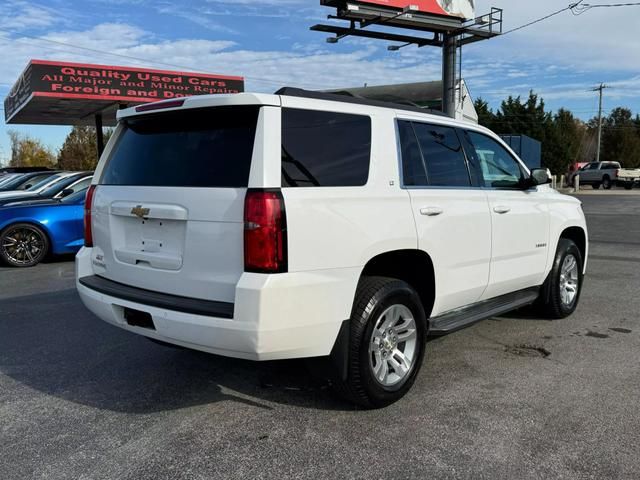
{"x": 539, "y": 176}
{"x": 66, "y": 192}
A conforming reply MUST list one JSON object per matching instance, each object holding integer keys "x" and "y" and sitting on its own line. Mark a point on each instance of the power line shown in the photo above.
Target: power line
{"x": 577, "y": 8}
{"x": 580, "y": 9}
{"x": 546, "y": 17}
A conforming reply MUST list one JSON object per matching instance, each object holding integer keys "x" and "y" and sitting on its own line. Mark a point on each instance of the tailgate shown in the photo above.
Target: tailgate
{"x": 167, "y": 214}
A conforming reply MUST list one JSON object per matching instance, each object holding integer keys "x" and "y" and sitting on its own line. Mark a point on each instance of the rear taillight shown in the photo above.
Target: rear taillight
{"x": 265, "y": 232}
{"x": 617, "y": 173}
{"x": 88, "y": 203}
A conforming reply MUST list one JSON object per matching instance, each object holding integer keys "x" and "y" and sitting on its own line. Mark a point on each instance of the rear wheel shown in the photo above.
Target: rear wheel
{"x": 628, "y": 186}
{"x": 564, "y": 283}
{"x": 606, "y": 183}
{"x": 386, "y": 345}
{"x": 23, "y": 245}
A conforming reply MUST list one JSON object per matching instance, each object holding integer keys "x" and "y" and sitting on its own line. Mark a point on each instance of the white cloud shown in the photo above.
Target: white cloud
{"x": 196, "y": 16}
{"x": 310, "y": 66}
{"x": 19, "y": 15}
{"x": 600, "y": 39}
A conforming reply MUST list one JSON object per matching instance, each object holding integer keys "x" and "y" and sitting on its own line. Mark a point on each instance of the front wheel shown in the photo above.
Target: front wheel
{"x": 564, "y": 283}
{"x": 23, "y": 245}
{"x": 386, "y": 345}
{"x": 595, "y": 186}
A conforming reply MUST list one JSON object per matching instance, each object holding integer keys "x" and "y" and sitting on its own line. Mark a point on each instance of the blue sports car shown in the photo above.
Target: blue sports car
{"x": 30, "y": 230}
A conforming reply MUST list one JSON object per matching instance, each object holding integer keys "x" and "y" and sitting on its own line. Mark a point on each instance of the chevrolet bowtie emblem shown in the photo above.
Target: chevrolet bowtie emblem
{"x": 140, "y": 212}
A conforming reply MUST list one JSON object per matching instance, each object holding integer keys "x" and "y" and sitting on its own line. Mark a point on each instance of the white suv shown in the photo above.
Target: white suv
{"x": 303, "y": 225}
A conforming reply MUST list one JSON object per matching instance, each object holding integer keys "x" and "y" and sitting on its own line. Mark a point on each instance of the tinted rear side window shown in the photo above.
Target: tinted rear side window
{"x": 413, "y": 169}
{"x": 443, "y": 156}
{"x": 324, "y": 149}
{"x": 191, "y": 148}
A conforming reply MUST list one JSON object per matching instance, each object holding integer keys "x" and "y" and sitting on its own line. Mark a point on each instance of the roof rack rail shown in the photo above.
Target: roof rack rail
{"x": 349, "y": 98}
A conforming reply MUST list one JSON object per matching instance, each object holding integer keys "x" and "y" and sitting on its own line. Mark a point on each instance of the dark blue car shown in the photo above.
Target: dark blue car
{"x": 29, "y": 231}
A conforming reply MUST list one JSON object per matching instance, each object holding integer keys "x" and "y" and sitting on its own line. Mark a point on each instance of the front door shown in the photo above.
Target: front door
{"x": 520, "y": 218}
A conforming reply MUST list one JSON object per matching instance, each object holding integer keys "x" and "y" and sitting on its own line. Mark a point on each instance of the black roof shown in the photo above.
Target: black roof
{"x": 346, "y": 97}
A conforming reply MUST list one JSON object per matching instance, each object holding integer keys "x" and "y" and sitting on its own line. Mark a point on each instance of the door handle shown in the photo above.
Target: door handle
{"x": 431, "y": 211}
{"x": 501, "y": 209}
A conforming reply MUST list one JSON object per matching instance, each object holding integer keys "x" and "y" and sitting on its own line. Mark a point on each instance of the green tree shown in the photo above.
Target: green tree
{"x": 564, "y": 140}
{"x": 29, "y": 152}
{"x": 621, "y": 138}
{"x": 80, "y": 151}
{"x": 486, "y": 117}
{"x": 527, "y": 118}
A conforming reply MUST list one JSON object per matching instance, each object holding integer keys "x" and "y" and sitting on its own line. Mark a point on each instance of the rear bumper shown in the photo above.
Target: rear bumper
{"x": 291, "y": 315}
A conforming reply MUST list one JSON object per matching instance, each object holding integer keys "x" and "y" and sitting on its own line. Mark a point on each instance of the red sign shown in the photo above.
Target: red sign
{"x": 451, "y": 8}
{"x": 125, "y": 85}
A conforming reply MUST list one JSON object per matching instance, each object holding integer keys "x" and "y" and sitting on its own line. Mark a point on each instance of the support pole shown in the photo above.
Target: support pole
{"x": 449, "y": 81}
{"x": 99, "y": 135}
{"x": 600, "y": 89}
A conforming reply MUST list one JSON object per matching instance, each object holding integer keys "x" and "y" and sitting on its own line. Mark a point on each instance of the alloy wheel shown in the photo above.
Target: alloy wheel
{"x": 569, "y": 280}
{"x": 393, "y": 346}
{"x": 23, "y": 245}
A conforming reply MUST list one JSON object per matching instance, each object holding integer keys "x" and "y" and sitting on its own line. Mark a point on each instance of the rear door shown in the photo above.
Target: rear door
{"x": 519, "y": 217}
{"x": 168, "y": 209}
{"x": 452, "y": 216}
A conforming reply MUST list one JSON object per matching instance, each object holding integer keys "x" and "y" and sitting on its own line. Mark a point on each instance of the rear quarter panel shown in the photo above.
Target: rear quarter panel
{"x": 342, "y": 227}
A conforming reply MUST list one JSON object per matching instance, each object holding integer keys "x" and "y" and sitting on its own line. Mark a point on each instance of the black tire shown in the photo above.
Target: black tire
{"x": 628, "y": 186}
{"x": 23, "y": 232}
{"x": 373, "y": 297}
{"x": 607, "y": 183}
{"x": 595, "y": 186}
{"x": 550, "y": 305}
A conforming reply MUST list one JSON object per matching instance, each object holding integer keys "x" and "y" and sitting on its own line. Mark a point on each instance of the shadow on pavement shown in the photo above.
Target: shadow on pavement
{"x": 51, "y": 343}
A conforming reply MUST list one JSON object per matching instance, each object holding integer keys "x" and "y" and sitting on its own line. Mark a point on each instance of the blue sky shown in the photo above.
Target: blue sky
{"x": 269, "y": 42}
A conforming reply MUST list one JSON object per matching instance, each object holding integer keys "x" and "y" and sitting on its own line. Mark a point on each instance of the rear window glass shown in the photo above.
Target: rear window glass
{"x": 413, "y": 169}
{"x": 325, "y": 149}
{"x": 191, "y": 148}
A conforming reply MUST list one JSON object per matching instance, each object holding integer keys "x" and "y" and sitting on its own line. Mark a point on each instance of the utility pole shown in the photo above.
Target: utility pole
{"x": 449, "y": 80}
{"x": 599, "y": 89}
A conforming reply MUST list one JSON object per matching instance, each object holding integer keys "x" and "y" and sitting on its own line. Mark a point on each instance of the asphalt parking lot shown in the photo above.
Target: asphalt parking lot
{"x": 511, "y": 397}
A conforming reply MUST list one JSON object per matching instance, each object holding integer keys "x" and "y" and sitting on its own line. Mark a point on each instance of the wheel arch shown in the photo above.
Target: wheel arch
{"x": 412, "y": 266}
{"x": 578, "y": 236}
{"x": 31, "y": 221}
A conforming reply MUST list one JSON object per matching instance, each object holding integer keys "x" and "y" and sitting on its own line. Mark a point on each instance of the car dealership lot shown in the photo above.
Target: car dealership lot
{"x": 512, "y": 397}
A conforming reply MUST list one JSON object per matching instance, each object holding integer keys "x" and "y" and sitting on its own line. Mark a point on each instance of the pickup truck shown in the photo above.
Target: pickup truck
{"x": 628, "y": 177}
{"x": 600, "y": 173}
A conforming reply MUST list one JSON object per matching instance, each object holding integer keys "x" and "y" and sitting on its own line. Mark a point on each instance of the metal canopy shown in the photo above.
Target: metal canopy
{"x": 63, "y": 93}
{"x": 61, "y": 111}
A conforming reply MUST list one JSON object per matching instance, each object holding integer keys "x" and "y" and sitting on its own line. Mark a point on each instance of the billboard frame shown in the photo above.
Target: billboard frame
{"x": 447, "y": 32}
